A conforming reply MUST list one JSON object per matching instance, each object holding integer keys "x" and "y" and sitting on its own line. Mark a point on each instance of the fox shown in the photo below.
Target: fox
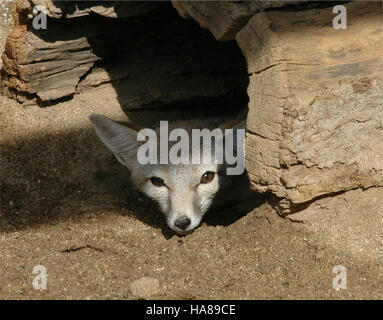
{"x": 184, "y": 192}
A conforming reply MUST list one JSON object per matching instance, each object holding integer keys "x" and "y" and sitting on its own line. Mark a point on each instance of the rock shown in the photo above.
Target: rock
{"x": 144, "y": 287}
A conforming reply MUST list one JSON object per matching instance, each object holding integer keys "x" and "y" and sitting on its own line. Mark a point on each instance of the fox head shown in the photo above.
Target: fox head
{"x": 184, "y": 192}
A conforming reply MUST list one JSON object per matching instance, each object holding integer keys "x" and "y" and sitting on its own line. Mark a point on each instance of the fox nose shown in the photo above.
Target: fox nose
{"x": 182, "y": 222}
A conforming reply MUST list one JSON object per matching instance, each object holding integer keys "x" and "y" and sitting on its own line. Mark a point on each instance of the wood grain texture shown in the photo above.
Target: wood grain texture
{"x": 225, "y": 18}
{"x": 156, "y": 59}
{"x": 316, "y": 101}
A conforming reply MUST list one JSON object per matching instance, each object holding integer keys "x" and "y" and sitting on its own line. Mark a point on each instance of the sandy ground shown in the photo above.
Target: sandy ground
{"x": 67, "y": 204}
{"x": 6, "y": 22}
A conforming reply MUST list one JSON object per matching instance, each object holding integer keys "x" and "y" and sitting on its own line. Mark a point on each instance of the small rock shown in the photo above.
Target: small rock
{"x": 144, "y": 287}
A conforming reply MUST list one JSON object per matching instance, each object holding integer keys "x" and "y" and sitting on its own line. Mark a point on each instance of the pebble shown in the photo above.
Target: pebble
{"x": 144, "y": 287}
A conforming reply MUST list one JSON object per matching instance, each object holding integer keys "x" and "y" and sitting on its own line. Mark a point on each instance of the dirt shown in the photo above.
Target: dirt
{"x": 68, "y": 205}
{"x": 6, "y": 21}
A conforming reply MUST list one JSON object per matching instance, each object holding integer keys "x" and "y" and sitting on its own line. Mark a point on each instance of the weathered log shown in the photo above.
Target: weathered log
{"x": 315, "y": 112}
{"x": 316, "y": 102}
{"x": 223, "y": 21}
{"x": 49, "y": 63}
{"x": 181, "y": 77}
{"x": 161, "y": 60}
{"x": 47, "y": 67}
{"x": 223, "y": 18}
{"x": 109, "y": 9}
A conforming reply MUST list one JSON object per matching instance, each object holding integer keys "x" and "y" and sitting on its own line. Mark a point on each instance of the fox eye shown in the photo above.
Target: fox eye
{"x": 207, "y": 177}
{"x": 158, "y": 182}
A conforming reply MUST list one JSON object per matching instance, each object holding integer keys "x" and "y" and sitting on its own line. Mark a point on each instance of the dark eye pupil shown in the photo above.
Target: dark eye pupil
{"x": 207, "y": 177}
{"x": 158, "y": 182}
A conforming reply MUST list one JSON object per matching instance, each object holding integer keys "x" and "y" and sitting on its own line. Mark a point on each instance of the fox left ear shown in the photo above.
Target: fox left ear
{"x": 120, "y": 139}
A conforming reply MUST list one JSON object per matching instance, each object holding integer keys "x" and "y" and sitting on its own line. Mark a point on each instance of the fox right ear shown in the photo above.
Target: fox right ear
{"x": 121, "y": 140}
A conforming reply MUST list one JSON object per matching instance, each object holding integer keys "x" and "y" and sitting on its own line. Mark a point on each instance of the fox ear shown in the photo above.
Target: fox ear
{"x": 121, "y": 140}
